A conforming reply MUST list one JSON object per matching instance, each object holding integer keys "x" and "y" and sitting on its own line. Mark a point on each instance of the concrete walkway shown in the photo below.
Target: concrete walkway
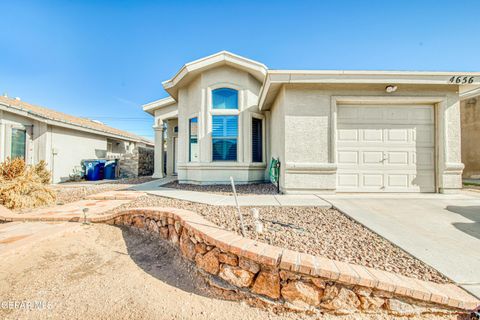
{"x": 96, "y": 205}
{"x": 441, "y": 230}
{"x": 16, "y": 235}
{"x": 155, "y": 188}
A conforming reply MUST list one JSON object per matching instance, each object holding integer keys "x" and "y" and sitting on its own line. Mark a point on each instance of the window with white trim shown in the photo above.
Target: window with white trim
{"x": 224, "y": 124}
{"x": 224, "y": 138}
{"x": 193, "y": 140}
{"x": 19, "y": 143}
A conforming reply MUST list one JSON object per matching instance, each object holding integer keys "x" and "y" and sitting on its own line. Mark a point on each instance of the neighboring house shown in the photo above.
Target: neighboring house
{"x": 35, "y": 133}
{"x": 470, "y": 112}
{"x": 345, "y": 131}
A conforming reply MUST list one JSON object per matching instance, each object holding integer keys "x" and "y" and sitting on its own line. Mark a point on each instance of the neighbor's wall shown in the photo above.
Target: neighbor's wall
{"x": 470, "y": 118}
{"x": 195, "y": 101}
{"x": 71, "y": 147}
{"x": 308, "y": 164}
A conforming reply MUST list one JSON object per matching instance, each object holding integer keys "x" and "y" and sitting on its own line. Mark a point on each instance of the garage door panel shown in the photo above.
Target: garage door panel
{"x": 372, "y": 135}
{"x": 385, "y": 149}
{"x": 423, "y": 135}
{"x": 397, "y": 157}
{"x": 372, "y": 157}
{"x": 347, "y": 134}
{"x": 396, "y": 114}
{"x": 348, "y": 157}
{"x": 397, "y": 180}
{"x": 347, "y": 113}
{"x": 372, "y": 180}
{"x": 424, "y": 159}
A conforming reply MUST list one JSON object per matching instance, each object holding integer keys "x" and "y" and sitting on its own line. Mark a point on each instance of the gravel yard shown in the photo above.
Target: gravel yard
{"x": 226, "y": 189}
{"x": 70, "y": 192}
{"x": 318, "y": 231}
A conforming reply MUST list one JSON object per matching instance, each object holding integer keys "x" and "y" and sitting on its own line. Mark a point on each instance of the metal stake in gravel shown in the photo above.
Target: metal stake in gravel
{"x": 85, "y": 210}
{"x": 242, "y": 226}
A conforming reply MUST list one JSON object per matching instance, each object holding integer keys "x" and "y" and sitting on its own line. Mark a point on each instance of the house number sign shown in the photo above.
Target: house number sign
{"x": 462, "y": 79}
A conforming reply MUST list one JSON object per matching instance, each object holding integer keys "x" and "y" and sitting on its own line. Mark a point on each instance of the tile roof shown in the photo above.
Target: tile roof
{"x": 81, "y": 123}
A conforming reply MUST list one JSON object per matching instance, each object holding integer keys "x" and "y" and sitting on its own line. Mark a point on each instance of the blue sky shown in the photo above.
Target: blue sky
{"x": 104, "y": 59}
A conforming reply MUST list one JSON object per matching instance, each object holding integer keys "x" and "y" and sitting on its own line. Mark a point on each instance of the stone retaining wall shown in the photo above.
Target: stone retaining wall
{"x": 243, "y": 268}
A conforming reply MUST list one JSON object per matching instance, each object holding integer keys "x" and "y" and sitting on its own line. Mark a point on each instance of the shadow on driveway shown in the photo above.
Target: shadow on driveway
{"x": 470, "y": 212}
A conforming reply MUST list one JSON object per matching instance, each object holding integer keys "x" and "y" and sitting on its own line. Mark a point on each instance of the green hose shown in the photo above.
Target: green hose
{"x": 274, "y": 171}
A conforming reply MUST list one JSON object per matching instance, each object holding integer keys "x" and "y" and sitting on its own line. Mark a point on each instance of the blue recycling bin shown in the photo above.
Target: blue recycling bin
{"x": 94, "y": 169}
{"x": 109, "y": 171}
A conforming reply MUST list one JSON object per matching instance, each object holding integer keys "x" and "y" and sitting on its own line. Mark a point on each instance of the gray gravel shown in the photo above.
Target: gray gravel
{"x": 313, "y": 230}
{"x": 226, "y": 189}
{"x": 74, "y": 191}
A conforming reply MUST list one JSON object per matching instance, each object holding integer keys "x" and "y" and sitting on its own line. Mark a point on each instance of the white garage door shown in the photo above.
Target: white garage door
{"x": 385, "y": 148}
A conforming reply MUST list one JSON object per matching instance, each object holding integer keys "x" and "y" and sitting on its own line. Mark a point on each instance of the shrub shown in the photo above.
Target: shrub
{"x": 12, "y": 168}
{"x": 23, "y": 186}
{"x": 41, "y": 171}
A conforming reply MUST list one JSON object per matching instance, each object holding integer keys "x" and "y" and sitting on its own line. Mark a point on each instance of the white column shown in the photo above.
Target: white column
{"x": 158, "y": 162}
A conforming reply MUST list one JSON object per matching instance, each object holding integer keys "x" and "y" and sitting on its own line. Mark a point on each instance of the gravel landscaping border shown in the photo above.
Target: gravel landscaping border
{"x": 226, "y": 189}
{"x": 313, "y": 230}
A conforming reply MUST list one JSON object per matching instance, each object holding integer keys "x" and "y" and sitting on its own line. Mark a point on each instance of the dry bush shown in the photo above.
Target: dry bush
{"x": 12, "y": 168}
{"x": 41, "y": 171}
{"x": 25, "y": 189}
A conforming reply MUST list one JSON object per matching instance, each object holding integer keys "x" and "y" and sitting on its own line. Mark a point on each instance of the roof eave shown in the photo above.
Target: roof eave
{"x": 64, "y": 124}
{"x": 276, "y": 78}
{"x": 192, "y": 69}
{"x": 158, "y": 104}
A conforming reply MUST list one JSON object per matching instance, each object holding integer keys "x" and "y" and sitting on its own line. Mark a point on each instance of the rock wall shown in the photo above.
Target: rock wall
{"x": 137, "y": 164}
{"x": 145, "y": 161}
{"x": 264, "y": 275}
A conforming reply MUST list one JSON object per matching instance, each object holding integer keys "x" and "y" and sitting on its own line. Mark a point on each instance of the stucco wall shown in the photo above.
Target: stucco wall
{"x": 277, "y": 134}
{"x": 195, "y": 101}
{"x": 71, "y": 147}
{"x": 470, "y": 118}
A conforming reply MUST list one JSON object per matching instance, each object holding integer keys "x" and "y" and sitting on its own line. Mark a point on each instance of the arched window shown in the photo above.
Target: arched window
{"x": 224, "y": 98}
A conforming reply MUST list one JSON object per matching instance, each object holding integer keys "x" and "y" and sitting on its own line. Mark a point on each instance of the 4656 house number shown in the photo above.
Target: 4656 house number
{"x": 461, "y": 79}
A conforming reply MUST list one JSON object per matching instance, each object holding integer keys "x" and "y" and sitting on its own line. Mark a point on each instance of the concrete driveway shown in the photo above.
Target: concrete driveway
{"x": 441, "y": 230}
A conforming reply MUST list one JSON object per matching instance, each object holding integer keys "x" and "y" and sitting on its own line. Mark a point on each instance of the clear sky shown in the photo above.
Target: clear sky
{"x": 104, "y": 59}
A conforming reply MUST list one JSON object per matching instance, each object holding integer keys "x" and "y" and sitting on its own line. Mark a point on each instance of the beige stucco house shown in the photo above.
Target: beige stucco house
{"x": 470, "y": 115}
{"x": 36, "y": 133}
{"x": 332, "y": 131}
